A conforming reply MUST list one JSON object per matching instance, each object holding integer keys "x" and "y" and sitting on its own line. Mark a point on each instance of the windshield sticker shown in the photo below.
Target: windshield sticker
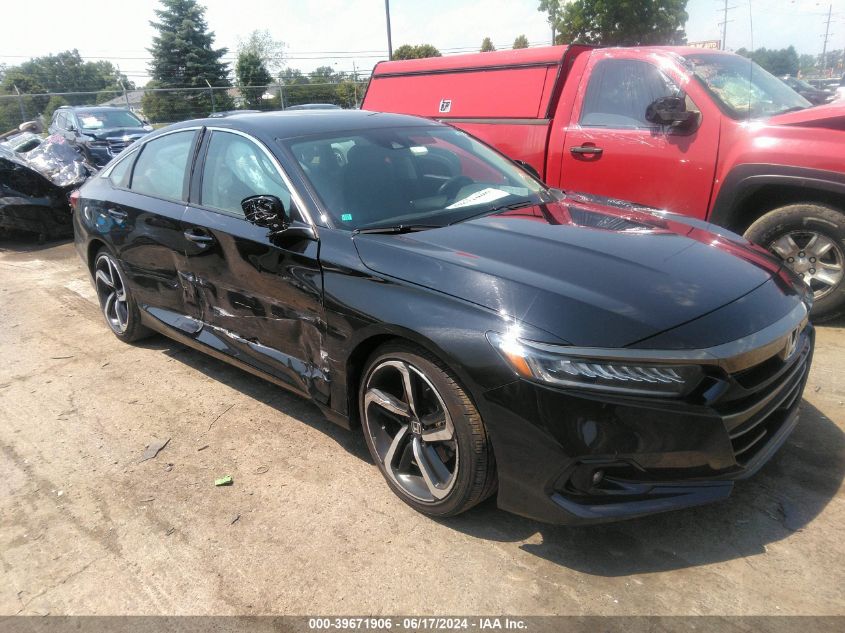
{"x": 346, "y": 217}
{"x": 480, "y": 197}
{"x": 91, "y": 122}
{"x": 445, "y": 106}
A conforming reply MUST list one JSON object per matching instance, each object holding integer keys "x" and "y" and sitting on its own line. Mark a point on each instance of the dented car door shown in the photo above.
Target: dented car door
{"x": 260, "y": 296}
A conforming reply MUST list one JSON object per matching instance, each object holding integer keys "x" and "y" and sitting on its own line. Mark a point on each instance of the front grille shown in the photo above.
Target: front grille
{"x": 119, "y": 143}
{"x": 762, "y": 399}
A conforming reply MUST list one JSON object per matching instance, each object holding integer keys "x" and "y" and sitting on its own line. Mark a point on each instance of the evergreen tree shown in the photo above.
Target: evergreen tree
{"x": 487, "y": 45}
{"x": 520, "y": 42}
{"x": 252, "y": 79}
{"x": 183, "y": 57}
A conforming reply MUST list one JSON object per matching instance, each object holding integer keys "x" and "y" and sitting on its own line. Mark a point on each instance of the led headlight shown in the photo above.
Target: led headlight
{"x": 568, "y": 367}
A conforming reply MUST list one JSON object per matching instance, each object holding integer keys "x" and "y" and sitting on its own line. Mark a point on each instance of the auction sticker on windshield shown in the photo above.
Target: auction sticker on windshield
{"x": 479, "y": 197}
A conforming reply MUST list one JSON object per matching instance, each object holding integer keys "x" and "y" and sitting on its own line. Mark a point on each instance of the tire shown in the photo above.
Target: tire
{"x": 798, "y": 233}
{"x": 116, "y": 302}
{"x": 467, "y": 457}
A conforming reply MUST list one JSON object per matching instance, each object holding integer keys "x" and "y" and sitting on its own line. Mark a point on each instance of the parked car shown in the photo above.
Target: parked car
{"x": 815, "y": 96}
{"x": 314, "y": 106}
{"x": 589, "y": 362}
{"x": 703, "y": 133}
{"x": 99, "y": 132}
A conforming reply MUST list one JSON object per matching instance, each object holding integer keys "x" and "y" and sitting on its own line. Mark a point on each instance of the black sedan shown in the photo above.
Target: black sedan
{"x": 581, "y": 359}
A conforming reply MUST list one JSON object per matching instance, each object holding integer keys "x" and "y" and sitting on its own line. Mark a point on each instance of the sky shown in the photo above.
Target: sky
{"x": 351, "y": 34}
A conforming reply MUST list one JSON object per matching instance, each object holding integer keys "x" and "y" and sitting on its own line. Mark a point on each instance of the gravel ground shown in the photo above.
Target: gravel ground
{"x": 309, "y": 527}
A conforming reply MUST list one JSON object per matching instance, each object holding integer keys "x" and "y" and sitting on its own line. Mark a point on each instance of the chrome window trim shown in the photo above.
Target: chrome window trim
{"x": 294, "y": 194}
{"x": 732, "y": 356}
{"x": 106, "y": 173}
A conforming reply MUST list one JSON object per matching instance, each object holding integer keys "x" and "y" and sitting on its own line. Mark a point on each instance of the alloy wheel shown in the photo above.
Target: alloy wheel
{"x": 814, "y": 257}
{"x": 111, "y": 290}
{"x": 411, "y": 430}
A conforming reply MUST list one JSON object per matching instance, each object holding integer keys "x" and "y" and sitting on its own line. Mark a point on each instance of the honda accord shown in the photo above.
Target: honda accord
{"x": 582, "y": 359}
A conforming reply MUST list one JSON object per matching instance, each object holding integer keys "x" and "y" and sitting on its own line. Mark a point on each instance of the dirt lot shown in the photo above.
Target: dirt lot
{"x": 308, "y": 526}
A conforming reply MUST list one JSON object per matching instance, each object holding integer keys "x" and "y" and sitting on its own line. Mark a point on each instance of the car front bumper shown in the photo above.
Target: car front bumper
{"x": 569, "y": 457}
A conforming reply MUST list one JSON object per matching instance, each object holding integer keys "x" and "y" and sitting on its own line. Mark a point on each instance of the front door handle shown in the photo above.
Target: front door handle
{"x": 199, "y": 236}
{"x": 586, "y": 149}
{"x": 117, "y": 215}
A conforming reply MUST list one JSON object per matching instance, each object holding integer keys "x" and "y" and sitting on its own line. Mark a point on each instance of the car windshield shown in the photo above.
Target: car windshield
{"x": 429, "y": 176}
{"x": 743, "y": 88}
{"x": 794, "y": 82}
{"x": 105, "y": 119}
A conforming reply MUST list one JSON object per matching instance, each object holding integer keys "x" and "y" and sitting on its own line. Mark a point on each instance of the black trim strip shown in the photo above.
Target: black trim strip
{"x": 494, "y": 121}
{"x": 468, "y": 69}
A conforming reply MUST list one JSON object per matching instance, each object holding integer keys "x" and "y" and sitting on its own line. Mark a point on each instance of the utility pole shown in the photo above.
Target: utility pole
{"x": 724, "y": 23}
{"x": 552, "y": 19}
{"x": 20, "y": 103}
{"x": 355, "y": 81}
{"x": 826, "y": 35}
{"x": 389, "y": 40}
{"x": 211, "y": 90}
{"x": 125, "y": 96}
{"x": 281, "y": 92}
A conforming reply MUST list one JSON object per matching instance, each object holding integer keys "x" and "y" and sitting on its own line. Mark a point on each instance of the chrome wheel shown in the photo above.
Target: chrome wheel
{"x": 816, "y": 258}
{"x": 111, "y": 290}
{"x": 411, "y": 431}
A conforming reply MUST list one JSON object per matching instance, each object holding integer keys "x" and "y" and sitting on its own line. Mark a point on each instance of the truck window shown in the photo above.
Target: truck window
{"x": 619, "y": 92}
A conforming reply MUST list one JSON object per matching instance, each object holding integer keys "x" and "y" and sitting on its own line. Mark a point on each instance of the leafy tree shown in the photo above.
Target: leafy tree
{"x": 183, "y": 57}
{"x": 487, "y": 45}
{"x": 628, "y": 23}
{"x": 269, "y": 50}
{"x": 407, "y": 51}
{"x": 64, "y": 72}
{"x": 252, "y": 78}
{"x": 520, "y": 42}
{"x": 552, "y": 10}
{"x": 779, "y": 62}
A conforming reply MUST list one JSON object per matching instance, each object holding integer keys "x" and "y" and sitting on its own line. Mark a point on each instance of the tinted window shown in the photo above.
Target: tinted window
{"x": 619, "y": 92}
{"x": 236, "y": 168}
{"x": 430, "y": 175}
{"x": 120, "y": 173}
{"x": 162, "y": 167}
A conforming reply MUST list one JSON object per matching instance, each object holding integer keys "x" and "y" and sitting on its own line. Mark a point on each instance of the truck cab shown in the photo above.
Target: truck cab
{"x": 703, "y": 133}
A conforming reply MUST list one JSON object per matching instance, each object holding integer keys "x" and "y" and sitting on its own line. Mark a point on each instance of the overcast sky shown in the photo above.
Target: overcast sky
{"x": 317, "y": 31}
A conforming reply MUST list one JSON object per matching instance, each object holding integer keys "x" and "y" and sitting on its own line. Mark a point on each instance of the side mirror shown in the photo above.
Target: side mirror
{"x": 266, "y": 211}
{"x": 529, "y": 168}
{"x": 670, "y": 111}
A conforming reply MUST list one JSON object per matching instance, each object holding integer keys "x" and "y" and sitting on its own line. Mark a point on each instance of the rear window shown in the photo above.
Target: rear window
{"x": 162, "y": 168}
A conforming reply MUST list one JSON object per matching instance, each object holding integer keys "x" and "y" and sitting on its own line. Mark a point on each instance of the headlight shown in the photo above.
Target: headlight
{"x": 567, "y": 367}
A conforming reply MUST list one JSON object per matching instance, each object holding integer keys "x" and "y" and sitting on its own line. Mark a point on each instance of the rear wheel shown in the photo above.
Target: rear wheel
{"x": 116, "y": 302}
{"x": 810, "y": 238}
{"x": 424, "y": 433}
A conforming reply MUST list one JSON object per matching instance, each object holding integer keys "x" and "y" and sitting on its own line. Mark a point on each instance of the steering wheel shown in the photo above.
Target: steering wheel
{"x": 451, "y": 187}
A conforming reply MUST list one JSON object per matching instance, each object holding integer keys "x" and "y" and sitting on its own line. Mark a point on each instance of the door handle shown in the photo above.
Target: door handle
{"x": 586, "y": 149}
{"x": 199, "y": 236}
{"x": 117, "y": 215}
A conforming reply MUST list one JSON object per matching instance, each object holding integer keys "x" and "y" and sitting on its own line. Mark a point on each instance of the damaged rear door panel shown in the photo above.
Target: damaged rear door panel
{"x": 260, "y": 297}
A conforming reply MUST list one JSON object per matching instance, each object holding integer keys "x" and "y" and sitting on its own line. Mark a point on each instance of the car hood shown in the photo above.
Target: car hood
{"x": 589, "y": 274}
{"x": 102, "y": 134}
{"x": 830, "y": 116}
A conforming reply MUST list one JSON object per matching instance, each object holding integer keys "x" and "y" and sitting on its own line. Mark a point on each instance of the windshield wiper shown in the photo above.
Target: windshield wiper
{"x": 399, "y": 228}
{"x": 505, "y": 207}
{"x": 792, "y": 109}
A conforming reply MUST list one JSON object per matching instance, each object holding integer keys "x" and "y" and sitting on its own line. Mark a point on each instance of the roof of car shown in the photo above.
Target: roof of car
{"x": 289, "y": 124}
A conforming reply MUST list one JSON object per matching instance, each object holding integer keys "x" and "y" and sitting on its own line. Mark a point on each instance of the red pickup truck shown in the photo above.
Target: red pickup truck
{"x": 702, "y": 133}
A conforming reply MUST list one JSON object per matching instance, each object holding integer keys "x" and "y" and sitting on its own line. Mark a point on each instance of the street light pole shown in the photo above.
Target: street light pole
{"x": 389, "y": 40}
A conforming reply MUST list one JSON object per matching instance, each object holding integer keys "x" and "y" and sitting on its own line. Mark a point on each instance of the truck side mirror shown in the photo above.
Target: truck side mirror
{"x": 266, "y": 211}
{"x": 670, "y": 111}
{"x": 529, "y": 168}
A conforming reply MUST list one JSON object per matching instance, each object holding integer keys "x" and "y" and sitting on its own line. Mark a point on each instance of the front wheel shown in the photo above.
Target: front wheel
{"x": 810, "y": 239}
{"x": 424, "y": 432}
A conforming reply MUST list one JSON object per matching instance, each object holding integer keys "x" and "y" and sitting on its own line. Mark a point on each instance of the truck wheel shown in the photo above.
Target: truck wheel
{"x": 810, "y": 238}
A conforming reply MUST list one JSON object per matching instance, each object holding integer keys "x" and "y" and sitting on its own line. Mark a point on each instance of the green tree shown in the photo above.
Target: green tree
{"x": 66, "y": 72}
{"x": 487, "y": 45}
{"x": 270, "y": 50}
{"x": 183, "y": 57}
{"x": 520, "y": 42}
{"x": 407, "y": 51}
{"x": 779, "y": 62}
{"x": 628, "y": 23}
{"x": 53, "y": 104}
{"x": 552, "y": 10}
{"x": 252, "y": 79}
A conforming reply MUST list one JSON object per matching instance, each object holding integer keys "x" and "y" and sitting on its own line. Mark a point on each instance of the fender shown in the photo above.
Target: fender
{"x": 746, "y": 180}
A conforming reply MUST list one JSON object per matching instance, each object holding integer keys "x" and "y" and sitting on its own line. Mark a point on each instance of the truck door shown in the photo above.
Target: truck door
{"x": 611, "y": 149}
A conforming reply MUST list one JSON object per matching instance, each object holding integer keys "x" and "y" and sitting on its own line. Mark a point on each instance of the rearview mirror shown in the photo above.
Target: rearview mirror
{"x": 266, "y": 211}
{"x": 670, "y": 111}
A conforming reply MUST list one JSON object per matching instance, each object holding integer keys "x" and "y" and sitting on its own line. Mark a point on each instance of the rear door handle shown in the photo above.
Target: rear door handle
{"x": 199, "y": 236}
{"x": 586, "y": 149}
{"x": 117, "y": 215}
